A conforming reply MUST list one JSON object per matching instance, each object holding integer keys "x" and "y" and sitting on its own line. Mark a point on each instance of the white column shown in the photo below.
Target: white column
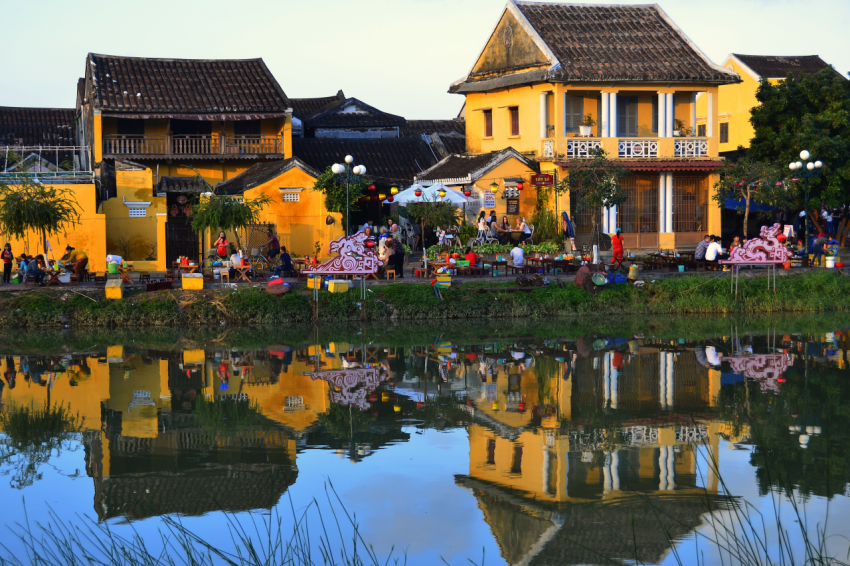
{"x": 671, "y": 113}
{"x": 604, "y": 220}
{"x": 612, "y": 222}
{"x": 544, "y": 114}
{"x": 668, "y": 201}
{"x": 709, "y": 115}
{"x": 606, "y": 360}
{"x": 662, "y": 379}
{"x": 662, "y": 113}
{"x": 615, "y": 475}
{"x": 612, "y": 118}
{"x": 606, "y": 473}
{"x": 615, "y": 376}
{"x": 662, "y": 467}
{"x": 603, "y": 120}
{"x": 546, "y": 471}
{"x": 662, "y": 203}
{"x": 671, "y": 469}
{"x": 693, "y": 114}
{"x": 669, "y": 387}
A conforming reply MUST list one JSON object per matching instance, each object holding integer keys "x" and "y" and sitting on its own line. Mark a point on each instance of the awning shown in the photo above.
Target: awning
{"x": 741, "y": 205}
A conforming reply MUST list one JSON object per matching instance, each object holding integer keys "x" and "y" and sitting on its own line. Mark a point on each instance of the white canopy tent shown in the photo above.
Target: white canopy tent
{"x": 429, "y": 194}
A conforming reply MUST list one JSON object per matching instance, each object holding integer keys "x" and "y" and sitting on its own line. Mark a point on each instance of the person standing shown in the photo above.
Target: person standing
{"x": 617, "y": 246}
{"x": 79, "y": 259}
{"x": 7, "y": 257}
{"x": 818, "y": 249}
{"x": 397, "y": 256}
{"x": 482, "y": 227}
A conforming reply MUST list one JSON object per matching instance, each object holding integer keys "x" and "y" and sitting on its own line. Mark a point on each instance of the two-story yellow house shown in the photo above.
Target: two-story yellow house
{"x": 737, "y": 100}
{"x": 556, "y": 81}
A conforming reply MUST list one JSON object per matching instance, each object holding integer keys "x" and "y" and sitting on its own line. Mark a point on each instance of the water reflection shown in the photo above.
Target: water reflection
{"x": 570, "y": 439}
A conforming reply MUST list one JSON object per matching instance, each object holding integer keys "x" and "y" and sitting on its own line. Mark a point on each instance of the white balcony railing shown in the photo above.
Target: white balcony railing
{"x": 49, "y": 164}
{"x": 691, "y": 147}
{"x": 582, "y": 148}
{"x": 196, "y": 144}
{"x": 638, "y": 148}
{"x": 548, "y": 149}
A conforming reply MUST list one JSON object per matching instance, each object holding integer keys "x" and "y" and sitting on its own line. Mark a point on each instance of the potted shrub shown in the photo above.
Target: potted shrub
{"x": 680, "y": 131}
{"x": 586, "y": 126}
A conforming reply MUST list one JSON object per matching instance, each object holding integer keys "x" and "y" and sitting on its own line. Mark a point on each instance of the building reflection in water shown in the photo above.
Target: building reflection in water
{"x": 568, "y": 439}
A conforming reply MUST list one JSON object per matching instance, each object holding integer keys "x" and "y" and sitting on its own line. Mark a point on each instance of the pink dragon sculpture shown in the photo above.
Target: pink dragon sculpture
{"x": 766, "y": 249}
{"x": 354, "y": 258}
{"x": 351, "y": 387}
{"x": 767, "y": 369}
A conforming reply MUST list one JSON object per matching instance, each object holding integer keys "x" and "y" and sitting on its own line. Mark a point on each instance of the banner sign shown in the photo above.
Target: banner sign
{"x": 512, "y": 206}
{"x": 543, "y": 180}
{"x": 489, "y": 200}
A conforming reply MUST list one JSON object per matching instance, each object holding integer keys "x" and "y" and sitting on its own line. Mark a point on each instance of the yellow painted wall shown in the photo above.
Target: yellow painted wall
{"x": 88, "y": 234}
{"x": 511, "y": 168}
{"x": 301, "y": 223}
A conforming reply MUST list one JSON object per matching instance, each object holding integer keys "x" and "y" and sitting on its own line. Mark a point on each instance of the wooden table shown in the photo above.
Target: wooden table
{"x": 180, "y": 268}
{"x": 125, "y": 274}
{"x": 494, "y": 264}
{"x": 242, "y": 272}
{"x": 54, "y": 277}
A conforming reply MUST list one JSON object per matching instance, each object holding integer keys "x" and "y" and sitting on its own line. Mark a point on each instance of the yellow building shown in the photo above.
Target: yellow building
{"x": 737, "y": 100}
{"x": 549, "y": 84}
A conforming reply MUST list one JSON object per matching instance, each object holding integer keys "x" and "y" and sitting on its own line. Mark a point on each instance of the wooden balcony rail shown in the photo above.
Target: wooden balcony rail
{"x": 691, "y": 147}
{"x": 638, "y": 148}
{"x": 200, "y": 144}
{"x": 582, "y": 148}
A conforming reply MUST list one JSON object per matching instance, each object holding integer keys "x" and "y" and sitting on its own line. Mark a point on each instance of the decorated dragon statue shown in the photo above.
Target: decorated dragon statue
{"x": 765, "y": 249}
{"x": 354, "y": 258}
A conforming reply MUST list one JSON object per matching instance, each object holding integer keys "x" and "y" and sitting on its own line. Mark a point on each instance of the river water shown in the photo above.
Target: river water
{"x": 573, "y": 442}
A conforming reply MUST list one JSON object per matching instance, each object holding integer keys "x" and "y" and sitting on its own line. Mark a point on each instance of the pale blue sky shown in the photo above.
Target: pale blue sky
{"x": 398, "y": 55}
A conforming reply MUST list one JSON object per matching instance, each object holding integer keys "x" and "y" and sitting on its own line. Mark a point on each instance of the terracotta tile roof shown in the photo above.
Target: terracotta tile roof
{"x": 414, "y": 127}
{"x": 472, "y": 166}
{"x": 657, "y": 165}
{"x": 192, "y": 86}
{"x": 778, "y": 66}
{"x": 390, "y": 160}
{"x": 606, "y": 43}
{"x": 262, "y": 173}
{"x": 305, "y": 107}
{"x": 353, "y": 113}
{"x": 37, "y": 126}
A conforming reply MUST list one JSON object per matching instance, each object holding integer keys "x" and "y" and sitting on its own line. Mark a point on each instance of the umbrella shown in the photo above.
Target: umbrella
{"x": 429, "y": 194}
{"x": 567, "y": 225}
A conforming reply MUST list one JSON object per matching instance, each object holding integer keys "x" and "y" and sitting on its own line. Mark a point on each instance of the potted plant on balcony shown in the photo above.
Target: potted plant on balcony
{"x": 586, "y": 126}
{"x": 680, "y": 131}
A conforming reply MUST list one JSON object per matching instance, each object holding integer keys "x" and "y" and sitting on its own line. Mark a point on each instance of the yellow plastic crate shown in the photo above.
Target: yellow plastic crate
{"x": 338, "y": 286}
{"x": 115, "y": 289}
{"x": 193, "y": 283}
{"x": 193, "y": 356}
{"x": 444, "y": 281}
{"x": 314, "y": 283}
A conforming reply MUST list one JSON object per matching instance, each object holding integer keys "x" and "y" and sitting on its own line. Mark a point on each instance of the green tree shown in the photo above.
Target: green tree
{"x": 596, "y": 184}
{"x": 339, "y": 194}
{"x": 435, "y": 213}
{"x": 27, "y": 205}
{"x": 225, "y": 212}
{"x": 807, "y": 112}
{"x": 754, "y": 182}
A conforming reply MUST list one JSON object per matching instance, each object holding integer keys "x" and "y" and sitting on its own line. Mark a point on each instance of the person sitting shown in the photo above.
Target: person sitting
{"x": 284, "y": 268}
{"x": 504, "y": 230}
{"x": 79, "y": 259}
{"x": 518, "y": 256}
{"x": 23, "y": 262}
{"x": 471, "y": 257}
{"x": 221, "y": 245}
{"x": 273, "y": 245}
{"x": 36, "y": 268}
{"x": 525, "y": 230}
{"x": 714, "y": 251}
{"x": 736, "y": 243}
{"x": 699, "y": 254}
{"x": 397, "y": 257}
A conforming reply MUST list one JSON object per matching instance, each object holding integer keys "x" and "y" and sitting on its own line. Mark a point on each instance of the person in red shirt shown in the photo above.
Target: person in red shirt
{"x": 8, "y": 257}
{"x": 221, "y": 245}
{"x": 617, "y": 246}
{"x": 471, "y": 257}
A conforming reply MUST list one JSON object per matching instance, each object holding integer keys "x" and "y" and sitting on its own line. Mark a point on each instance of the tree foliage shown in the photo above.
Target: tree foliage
{"x": 807, "y": 112}
{"x": 225, "y": 212}
{"x": 336, "y": 191}
{"x": 596, "y": 183}
{"x": 27, "y": 205}
{"x": 435, "y": 213}
{"x": 754, "y": 182}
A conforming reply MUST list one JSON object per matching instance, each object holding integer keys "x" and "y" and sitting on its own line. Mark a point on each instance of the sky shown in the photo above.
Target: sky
{"x": 397, "y": 55}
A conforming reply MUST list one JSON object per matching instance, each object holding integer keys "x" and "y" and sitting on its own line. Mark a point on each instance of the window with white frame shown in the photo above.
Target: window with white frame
{"x": 138, "y": 212}
{"x": 291, "y": 197}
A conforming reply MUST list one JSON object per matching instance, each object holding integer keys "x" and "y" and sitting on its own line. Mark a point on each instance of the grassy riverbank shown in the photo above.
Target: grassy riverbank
{"x": 819, "y": 291}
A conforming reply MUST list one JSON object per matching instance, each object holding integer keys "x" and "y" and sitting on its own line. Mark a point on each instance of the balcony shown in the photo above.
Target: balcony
{"x": 582, "y": 148}
{"x": 47, "y": 164}
{"x": 691, "y": 147}
{"x": 636, "y": 148}
{"x": 194, "y": 145}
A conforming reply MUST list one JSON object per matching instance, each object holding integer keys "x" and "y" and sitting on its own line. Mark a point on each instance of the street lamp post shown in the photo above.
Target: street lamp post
{"x": 808, "y": 169}
{"x": 346, "y": 174}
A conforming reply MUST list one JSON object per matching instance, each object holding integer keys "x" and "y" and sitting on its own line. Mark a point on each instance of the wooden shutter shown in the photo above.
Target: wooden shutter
{"x": 724, "y": 132}
{"x": 701, "y": 130}
{"x": 573, "y": 113}
{"x": 514, "y": 121}
{"x": 654, "y": 115}
{"x": 488, "y": 123}
{"x": 627, "y": 116}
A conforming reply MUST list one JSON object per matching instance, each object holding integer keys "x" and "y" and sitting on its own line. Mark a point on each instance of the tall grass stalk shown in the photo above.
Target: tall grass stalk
{"x": 256, "y": 541}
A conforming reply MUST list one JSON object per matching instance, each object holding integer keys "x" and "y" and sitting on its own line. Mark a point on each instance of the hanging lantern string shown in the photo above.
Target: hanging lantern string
{"x": 400, "y": 181}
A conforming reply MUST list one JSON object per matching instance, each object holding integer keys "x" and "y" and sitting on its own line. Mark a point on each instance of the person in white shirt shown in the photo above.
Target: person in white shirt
{"x": 482, "y": 227}
{"x": 714, "y": 251}
{"x": 518, "y": 256}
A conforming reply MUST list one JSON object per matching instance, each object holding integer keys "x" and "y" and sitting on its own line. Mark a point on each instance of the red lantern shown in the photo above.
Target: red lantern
{"x": 370, "y": 244}
{"x": 519, "y": 186}
{"x": 521, "y": 406}
{"x": 417, "y": 192}
{"x": 780, "y": 379}
{"x": 374, "y": 197}
{"x": 371, "y": 187}
{"x": 373, "y": 397}
{"x": 467, "y": 193}
{"x": 390, "y": 198}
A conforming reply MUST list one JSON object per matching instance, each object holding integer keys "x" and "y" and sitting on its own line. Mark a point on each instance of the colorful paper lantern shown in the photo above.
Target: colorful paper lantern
{"x": 370, "y": 244}
{"x": 374, "y": 198}
{"x": 390, "y": 198}
{"x": 372, "y": 187}
{"x": 467, "y": 192}
{"x": 442, "y": 193}
{"x": 519, "y": 186}
{"x": 494, "y": 188}
{"x": 417, "y": 192}
{"x": 382, "y": 196}
{"x": 394, "y": 191}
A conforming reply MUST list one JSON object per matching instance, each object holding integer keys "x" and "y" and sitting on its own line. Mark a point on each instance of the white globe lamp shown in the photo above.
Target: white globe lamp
{"x": 818, "y": 164}
{"x": 349, "y": 159}
{"x": 804, "y": 154}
